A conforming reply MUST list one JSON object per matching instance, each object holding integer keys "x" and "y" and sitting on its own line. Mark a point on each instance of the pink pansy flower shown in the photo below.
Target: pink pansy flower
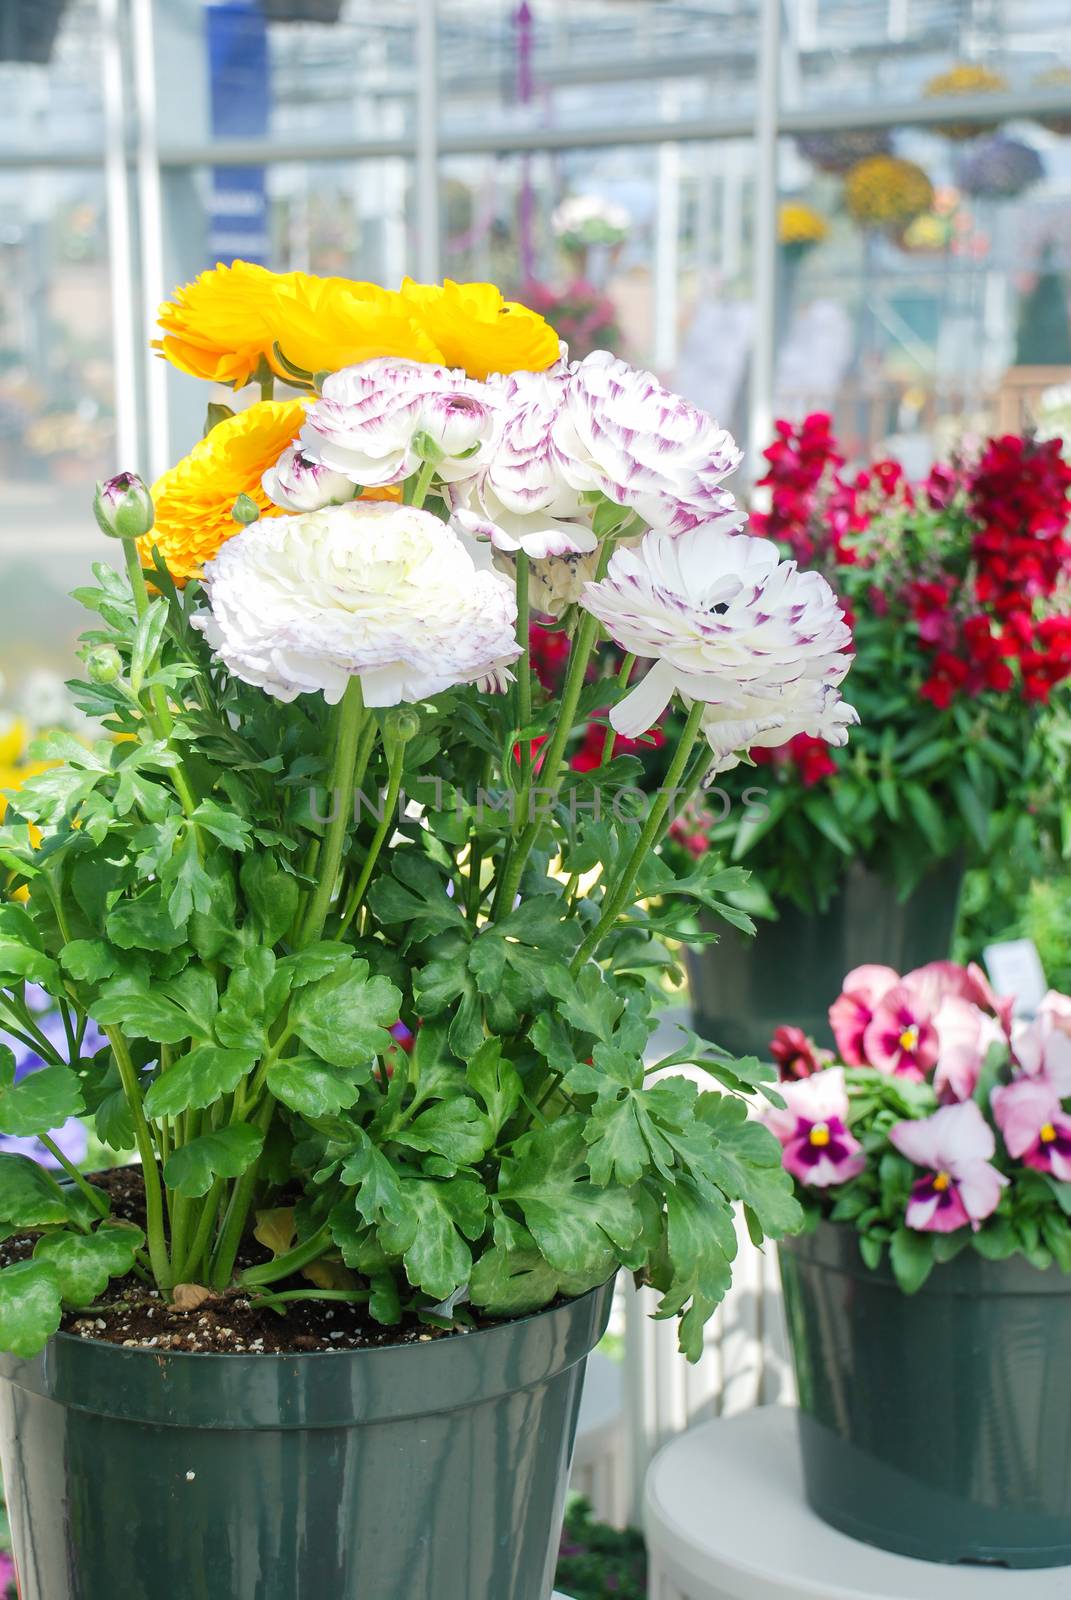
{"x": 1042, "y": 1047}
{"x": 960, "y": 1187}
{"x": 815, "y": 1143}
{"x": 964, "y": 1037}
{"x": 1034, "y": 1125}
{"x": 900, "y": 1037}
{"x": 851, "y": 1012}
{"x": 941, "y": 979}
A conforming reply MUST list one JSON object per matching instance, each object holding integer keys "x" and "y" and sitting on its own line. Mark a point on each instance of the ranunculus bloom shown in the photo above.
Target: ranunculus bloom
{"x": 729, "y": 624}
{"x": 369, "y": 421}
{"x": 474, "y": 328}
{"x": 816, "y": 1146}
{"x": 1034, "y": 1125}
{"x": 297, "y": 483}
{"x": 383, "y": 592}
{"x": 960, "y": 1187}
{"x": 194, "y": 499}
{"x": 851, "y": 1012}
{"x": 795, "y": 1053}
{"x": 223, "y": 324}
{"x": 623, "y": 433}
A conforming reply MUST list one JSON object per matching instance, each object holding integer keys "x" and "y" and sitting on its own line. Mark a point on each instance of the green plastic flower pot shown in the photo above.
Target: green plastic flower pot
{"x": 934, "y": 1425}
{"x": 793, "y": 969}
{"x": 428, "y": 1469}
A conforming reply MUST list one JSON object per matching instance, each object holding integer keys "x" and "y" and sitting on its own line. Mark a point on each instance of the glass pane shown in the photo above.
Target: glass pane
{"x": 57, "y": 394}
{"x": 50, "y": 82}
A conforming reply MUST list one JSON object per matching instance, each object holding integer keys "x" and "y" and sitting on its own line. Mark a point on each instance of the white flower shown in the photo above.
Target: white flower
{"x": 372, "y": 419}
{"x": 387, "y": 593}
{"x": 297, "y": 483}
{"x": 731, "y": 624}
{"x": 621, "y": 432}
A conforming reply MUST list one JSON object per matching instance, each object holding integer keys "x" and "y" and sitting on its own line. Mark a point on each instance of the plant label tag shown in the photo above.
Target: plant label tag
{"x": 1014, "y": 968}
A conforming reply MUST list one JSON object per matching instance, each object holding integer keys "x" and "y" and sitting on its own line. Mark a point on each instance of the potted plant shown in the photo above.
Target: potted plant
{"x": 375, "y": 966}
{"x": 928, "y": 1299}
{"x": 958, "y": 589}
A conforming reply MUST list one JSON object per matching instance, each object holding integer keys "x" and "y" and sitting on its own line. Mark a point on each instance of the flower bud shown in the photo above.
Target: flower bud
{"x": 298, "y": 483}
{"x": 104, "y": 664}
{"x": 245, "y": 511}
{"x": 401, "y": 724}
{"x": 123, "y": 507}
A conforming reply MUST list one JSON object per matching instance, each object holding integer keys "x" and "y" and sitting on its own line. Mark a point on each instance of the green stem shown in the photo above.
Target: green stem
{"x": 622, "y": 679}
{"x": 290, "y": 1262}
{"x": 202, "y": 1236}
{"x": 514, "y": 864}
{"x": 357, "y": 1297}
{"x": 238, "y": 1209}
{"x": 415, "y": 489}
{"x": 617, "y": 898}
{"x": 164, "y": 722}
{"x": 340, "y": 789}
{"x": 154, "y": 1204}
{"x": 96, "y": 1199}
{"x": 396, "y": 762}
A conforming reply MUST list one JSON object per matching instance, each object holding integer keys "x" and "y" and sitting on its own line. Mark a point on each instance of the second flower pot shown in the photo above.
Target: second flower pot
{"x": 934, "y": 1425}
{"x": 434, "y": 1468}
{"x": 793, "y": 969}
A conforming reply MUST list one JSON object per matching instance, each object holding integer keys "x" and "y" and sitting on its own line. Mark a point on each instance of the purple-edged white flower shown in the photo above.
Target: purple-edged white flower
{"x": 377, "y": 422}
{"x": 960, "y": 1187}
{"x": 816, "y": 1146}
{"x": 382, "y": 592}
{"x": 731, "y": 624}
{"x": 1034, "y": 1125}
{"x": 621, "y": 432}
{"x": 298, "y": 483}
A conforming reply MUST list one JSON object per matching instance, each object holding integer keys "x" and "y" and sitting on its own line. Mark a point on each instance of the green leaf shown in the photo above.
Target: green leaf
{"x": 440, "y": 1217}
{"x": 150, "y": 631}
{"x": 256, "y": 993}
{"x": 911, "y": 1258}
{"x": 588, "y": 1002}
{"x": 456, "y": 1129}
{"x": 226, "y": 1153}
{"x": 415, "y": 894}
{"x": 29, "y": 1198}
{"x": 30, "y": 1307}
{"x": 271, "y": 895}
{"x": 512, "y": 1278}
{"x": 40, "y": 1101}
{"x": 197, "y": 1079}
{"x": 927, "y": 814}
{"x": 377, "y": 1182}
{"x": 89, "y": 960}
{"x": 578, "y": 1227}
{"x": 496, "y": 1082}
{"x": 315, "y": 961}
{"x": 228, "y": 827}
{"x": 973, "y": 808}
{"x": 702, "y": 1244}
{"x": 314, "y": 1088}
{"x": 85, "y": 1262}
{"x": 144, "y": 923}
{"x": 345, "y": 1018}
{"x": 129, "y": 1003}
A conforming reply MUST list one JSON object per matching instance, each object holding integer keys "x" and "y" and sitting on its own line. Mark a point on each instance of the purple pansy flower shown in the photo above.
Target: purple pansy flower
{"x": 816, "y": 1146}
{"x": 960, "y": 1187}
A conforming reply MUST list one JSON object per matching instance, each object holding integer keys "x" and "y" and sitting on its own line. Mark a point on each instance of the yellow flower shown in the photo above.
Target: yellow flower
{"x": 969, "y": 77}
{"x": 223, "y": 324}
{"x": 885, "y": 192}
{"x": 14, "y": 738}
{"x": 323, "y": 324}
{"x": 476, "y": 329}
{"x": 220, "y": 325}
{"x": 194, "y": 499}
{"x": 800, "y": 224}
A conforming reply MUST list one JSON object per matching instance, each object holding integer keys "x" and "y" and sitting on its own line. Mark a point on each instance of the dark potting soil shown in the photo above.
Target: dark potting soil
{"x": 230, "y": 1323}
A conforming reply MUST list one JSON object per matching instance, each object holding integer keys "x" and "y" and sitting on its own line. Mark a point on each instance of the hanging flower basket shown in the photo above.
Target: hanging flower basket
{"x": 1000, "y": 169}
{"x": 886, "y": 192}
{"x": 28, "y": 29}
{"x": 967, "y": 79}
{"x": 837, "y": 151}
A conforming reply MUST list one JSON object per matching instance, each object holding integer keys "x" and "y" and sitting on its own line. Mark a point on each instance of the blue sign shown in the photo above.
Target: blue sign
{"x": 239, "y": 73}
